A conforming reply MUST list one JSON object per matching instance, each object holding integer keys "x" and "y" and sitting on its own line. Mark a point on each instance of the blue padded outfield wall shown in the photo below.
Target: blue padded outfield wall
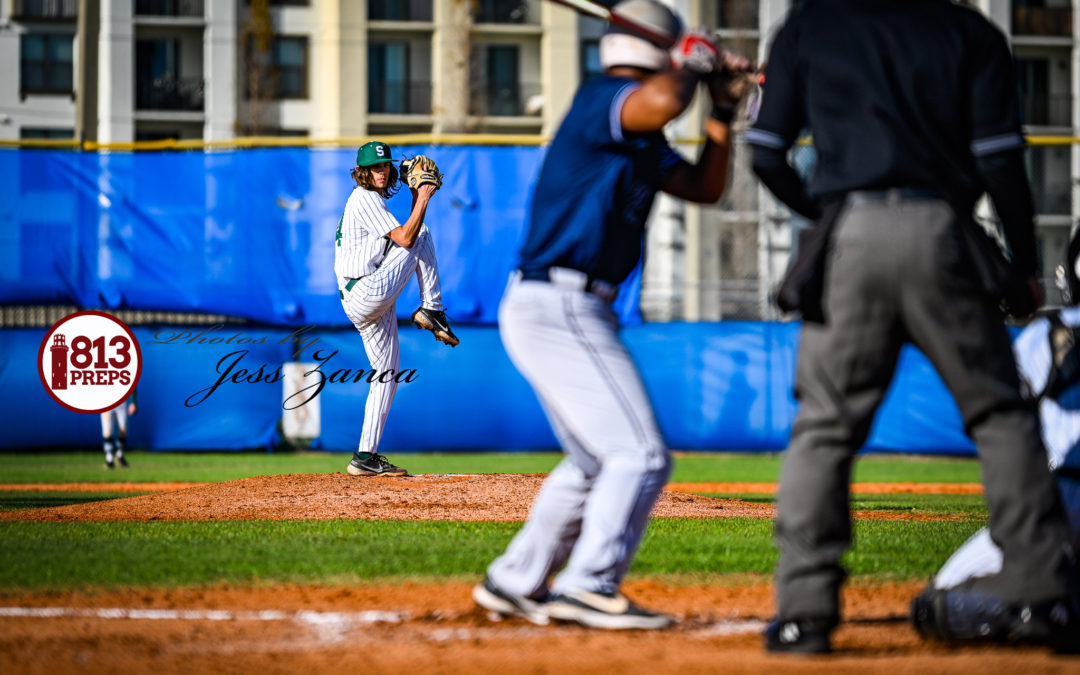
{"x": 715, "y": 386}
{"x": 250, "y": 234}
{"x": 246, "y": 233}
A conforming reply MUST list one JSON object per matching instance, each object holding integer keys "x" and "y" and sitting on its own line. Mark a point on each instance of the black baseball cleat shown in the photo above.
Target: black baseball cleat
{"x": 1055, "y": 624}
{"x": 373, "y": 464}
{"x": 123, "y": 461}
{"x": 436, "y": 322}
{"x": 492, "y": 598}
{"x": 798, "y": 637}
{"x": 109, "y": 463}
{"x": 965, "y": 615}
{"x": 612, "y": 611}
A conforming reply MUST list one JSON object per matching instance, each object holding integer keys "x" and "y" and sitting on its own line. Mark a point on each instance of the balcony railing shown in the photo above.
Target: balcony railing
{"x": 400, "y": 98}
{"x": 509, "y": 101}
{"x": 1052, "y": 111}
{"x": 1042, "y": 21}
{"x": 168, "y": 93}
{"x": 45, "y": 10}
{"x": 185, "y": 8}
{"x": 503, "y": 11}
{"x": 1052, "y": 198}
{"x": 400, "y": 10}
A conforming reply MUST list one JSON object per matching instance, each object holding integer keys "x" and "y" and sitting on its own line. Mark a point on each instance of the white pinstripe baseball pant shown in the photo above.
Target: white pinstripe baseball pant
{"x": 370, "y": 305}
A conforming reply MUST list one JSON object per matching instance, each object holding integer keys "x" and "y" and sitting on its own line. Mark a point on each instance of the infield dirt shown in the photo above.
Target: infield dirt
{"x": 495, "y": 497}
{"x": 437, "y": 629}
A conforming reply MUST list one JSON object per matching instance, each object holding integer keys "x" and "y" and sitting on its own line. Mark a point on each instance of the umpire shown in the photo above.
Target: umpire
{"x": 913, "y": 110}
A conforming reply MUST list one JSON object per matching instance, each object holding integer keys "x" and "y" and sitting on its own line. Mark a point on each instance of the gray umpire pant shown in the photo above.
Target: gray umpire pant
{"x": 897, "y": 272}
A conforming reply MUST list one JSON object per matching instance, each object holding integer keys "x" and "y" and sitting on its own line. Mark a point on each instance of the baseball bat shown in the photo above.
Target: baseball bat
{"x": 600, "y": 12}
{"x": 593, "y": 9}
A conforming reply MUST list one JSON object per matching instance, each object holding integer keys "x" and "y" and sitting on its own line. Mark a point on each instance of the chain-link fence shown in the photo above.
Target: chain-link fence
{"x": 34, "y": 316}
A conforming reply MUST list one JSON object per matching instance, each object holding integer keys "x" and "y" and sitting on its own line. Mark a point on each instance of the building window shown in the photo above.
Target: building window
{"x": 280, "y": 71}
{"x": 1041, "y": 105}
{"x": 1036, "y": 18}
{"x": 590, "y": 60}
{"x": 399, "y": 10}
{"x": 738, "y": 14}
{"x": 502, "y": 11}
{"x": 45, "y": 65}
{"x": 45, "y": 10}
{"x": 148, "y": 136}
{"x": 191, "y": 8}
{"x": 46, "y": 133}
{"x": 158, "y": 84}
{"x": 289, "y": 62}
{"x": 391, "y": 88}
{"x": 497, "y": 87}
{"x": 504, "y": 94}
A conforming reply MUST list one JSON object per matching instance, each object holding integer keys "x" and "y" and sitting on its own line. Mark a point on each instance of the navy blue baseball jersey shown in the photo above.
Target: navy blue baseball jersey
{"x": 596, "y": 187}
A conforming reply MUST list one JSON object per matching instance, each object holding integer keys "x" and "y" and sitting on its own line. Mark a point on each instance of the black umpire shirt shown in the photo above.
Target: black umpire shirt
{"x": 896, "y": 94}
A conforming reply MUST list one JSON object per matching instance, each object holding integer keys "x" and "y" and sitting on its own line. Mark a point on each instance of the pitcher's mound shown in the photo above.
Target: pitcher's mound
{"x": 505, "y": 497}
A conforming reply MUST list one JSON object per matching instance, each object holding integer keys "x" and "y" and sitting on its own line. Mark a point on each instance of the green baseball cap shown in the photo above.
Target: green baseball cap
{"x": 374, "y": 152}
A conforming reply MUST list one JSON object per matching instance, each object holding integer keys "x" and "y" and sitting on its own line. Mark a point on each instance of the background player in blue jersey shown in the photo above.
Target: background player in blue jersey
{"x": 605, "y": 165}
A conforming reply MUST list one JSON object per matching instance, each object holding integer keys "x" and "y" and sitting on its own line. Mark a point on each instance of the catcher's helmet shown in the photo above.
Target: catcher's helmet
{"x": 1068, "y": 273}
{"x": 620, "y": 47}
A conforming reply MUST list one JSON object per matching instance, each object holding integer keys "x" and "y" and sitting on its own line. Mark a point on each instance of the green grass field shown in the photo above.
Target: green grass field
{"x": 172, "y": 554}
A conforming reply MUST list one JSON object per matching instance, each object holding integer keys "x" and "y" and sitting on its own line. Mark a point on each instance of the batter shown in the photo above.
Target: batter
{"x": 600, "y": 175}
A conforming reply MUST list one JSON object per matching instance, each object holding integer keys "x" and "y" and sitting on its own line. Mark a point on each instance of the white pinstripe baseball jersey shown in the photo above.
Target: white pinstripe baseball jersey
{"x": 361, "y": 242}
{"x": 381, "y": 270}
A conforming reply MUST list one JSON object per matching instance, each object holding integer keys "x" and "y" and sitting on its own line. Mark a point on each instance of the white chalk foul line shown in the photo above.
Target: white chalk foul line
{"x": 730, "y": 627}
{"x": 335, "y": 626}
{"x": 306, "y": 616}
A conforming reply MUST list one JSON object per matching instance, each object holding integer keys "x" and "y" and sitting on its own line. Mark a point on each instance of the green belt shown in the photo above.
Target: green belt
{"x": 348, "y": 287}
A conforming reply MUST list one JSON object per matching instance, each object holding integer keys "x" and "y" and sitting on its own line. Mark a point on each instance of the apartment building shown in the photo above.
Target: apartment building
{"x": 217, "y": 69}
{"x": 117, "y": 71}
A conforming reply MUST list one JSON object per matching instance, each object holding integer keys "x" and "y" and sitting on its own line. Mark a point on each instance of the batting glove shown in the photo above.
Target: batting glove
{"x": 695, "y": 51}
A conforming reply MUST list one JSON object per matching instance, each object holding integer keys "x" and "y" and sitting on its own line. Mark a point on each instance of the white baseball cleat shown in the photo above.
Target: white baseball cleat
{"x": 491, "y": 597}
{"x": 612, "y": 611}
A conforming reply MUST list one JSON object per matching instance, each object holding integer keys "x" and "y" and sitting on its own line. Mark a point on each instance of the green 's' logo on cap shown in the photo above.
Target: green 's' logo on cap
{"x": 373, "y": 153}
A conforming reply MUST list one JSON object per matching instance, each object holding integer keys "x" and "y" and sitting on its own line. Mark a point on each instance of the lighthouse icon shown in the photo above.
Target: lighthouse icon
{"x": 59, "y": 351}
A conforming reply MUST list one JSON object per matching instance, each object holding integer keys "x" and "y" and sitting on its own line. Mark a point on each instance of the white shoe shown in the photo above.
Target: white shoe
{"x": 604, "y": 610}
{"x": 491, "y": 597}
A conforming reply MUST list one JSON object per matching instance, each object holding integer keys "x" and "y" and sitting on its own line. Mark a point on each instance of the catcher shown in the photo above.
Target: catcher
{"x": 375, "y": 257}
{"x": 1048, "y": 358}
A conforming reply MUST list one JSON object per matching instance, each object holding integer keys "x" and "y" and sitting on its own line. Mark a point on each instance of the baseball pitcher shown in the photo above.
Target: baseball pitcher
{"x": 374, "y": 260}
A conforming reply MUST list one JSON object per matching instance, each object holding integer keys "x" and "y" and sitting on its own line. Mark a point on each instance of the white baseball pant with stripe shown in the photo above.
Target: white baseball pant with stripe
{"x": 592, "y": 510}
{"x": 114, "y": 420}
{"x": 369, "y": 303}
{"x": 118, "y": 416}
